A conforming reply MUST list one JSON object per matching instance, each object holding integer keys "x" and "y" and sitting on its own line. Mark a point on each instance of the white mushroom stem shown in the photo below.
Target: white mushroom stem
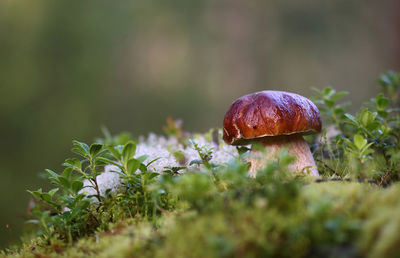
{"x": 296, "y": 146}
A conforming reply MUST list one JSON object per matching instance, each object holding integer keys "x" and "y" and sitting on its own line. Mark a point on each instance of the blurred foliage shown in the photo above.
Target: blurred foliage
{"x": 68, "y": 67}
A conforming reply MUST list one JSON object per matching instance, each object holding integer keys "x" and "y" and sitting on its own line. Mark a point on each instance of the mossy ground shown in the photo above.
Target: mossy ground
{"x": 331, "y": 219}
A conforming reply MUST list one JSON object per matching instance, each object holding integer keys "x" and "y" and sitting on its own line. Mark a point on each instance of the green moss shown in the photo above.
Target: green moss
{"x": 332, "y": 219}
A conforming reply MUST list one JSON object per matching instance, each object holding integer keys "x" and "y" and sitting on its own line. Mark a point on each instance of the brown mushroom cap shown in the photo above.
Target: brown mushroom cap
{"x": 269, "y": 113}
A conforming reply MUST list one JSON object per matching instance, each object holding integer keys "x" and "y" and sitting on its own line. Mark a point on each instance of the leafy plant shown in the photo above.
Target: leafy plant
{"x": 369, "y": 138}
{"x": 205, "y": 154}
{"x": 359, "y": 147}
{"x": 327, "y": 101}
{"x": 68, "y": 212}
{"x": 390, "y": 83}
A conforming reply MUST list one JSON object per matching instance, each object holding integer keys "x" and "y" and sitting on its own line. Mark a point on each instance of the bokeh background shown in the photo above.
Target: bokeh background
{"x": 69, "y": 67}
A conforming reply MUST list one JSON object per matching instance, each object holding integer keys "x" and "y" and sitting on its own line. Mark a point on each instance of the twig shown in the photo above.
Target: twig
{"x": 328, "y": 167}
{"x": 383, "y": 178}
{"x": 360, "y": 180}
{"x": 159, "y": 208}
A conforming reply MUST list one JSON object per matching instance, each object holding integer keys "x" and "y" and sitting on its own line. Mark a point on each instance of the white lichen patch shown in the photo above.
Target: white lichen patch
{"x": 109, "y": 179}
{"x": 163, "y": 150}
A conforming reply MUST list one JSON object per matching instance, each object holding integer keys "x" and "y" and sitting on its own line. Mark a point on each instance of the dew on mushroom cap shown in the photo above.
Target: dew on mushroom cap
{"x": 277, "y": 120}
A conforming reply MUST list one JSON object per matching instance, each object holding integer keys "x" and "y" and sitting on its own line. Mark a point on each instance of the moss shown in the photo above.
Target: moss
{"x": 380, "y": 233}
{"x": 333, "y": 219}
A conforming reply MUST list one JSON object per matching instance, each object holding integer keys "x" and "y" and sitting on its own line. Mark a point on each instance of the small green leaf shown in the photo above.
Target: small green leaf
{"x": 142, "y": 158}
{"x": 110, "y": 162}
{"x": 366, "y": 117}
{"x": 383, "y": 114}
{"x": 359, "y": 141}
{"x": 73, "y": 163}
{"x": 128, "y": 151}
{"x": 150, "y": 175}
{"x": 381, "y": 101}
{"x": 142, "y": 167}
{"x": 52, "y": 174}
{"x": 116, "y": 152}
{"x": 133, "y": 165}
{"x": 68, "y": 200}
{"x": 242, "y": 149}
{"x": 53, "y": 191}
{"x": 196, "y": 162}
{"x": 352, "y": 119}
{"x": 45, "y": 214}
{"x": 77, "y": 186}
{"x": 32, "y": 221}
{"x": 80, "y": 148}
{"x": 37, "y": 194}
{"x": 151, "y": 162}
{"x": 85, "y": 204}
{"x": 46, "y": 197}
{"x": 329, "y": 103}
{"x": 67, "y": 173}
{"x": 108, "y": 192}
{"x": 339, "y": 111}
{"x": 95, "y": 148}
{"x": 339, "y": 95}
{"x": 75, "y": 212}
{"x": 64, "y": 182}
{"x": 328, "y": 91}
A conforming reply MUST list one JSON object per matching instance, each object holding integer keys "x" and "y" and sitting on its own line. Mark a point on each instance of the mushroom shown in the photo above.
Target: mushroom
{"x": 277, "y": 120}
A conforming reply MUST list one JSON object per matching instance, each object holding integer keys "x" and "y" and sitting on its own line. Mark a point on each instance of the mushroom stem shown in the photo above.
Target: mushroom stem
{"x": 296, "y": 146}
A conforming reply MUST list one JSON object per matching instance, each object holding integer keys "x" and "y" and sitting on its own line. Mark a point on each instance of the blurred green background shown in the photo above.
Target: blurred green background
{"x": 68, "y": 67}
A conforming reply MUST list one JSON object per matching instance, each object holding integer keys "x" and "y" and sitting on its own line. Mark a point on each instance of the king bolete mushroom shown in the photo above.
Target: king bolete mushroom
{"x": 277, "y": 120}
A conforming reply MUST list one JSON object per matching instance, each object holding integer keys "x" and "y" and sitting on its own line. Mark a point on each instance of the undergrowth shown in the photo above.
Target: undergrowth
{"x": 203, "y": 209}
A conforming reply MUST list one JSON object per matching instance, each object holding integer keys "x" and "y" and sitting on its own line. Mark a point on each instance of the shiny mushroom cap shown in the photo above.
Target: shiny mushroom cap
{"x": 269, "y": 113}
